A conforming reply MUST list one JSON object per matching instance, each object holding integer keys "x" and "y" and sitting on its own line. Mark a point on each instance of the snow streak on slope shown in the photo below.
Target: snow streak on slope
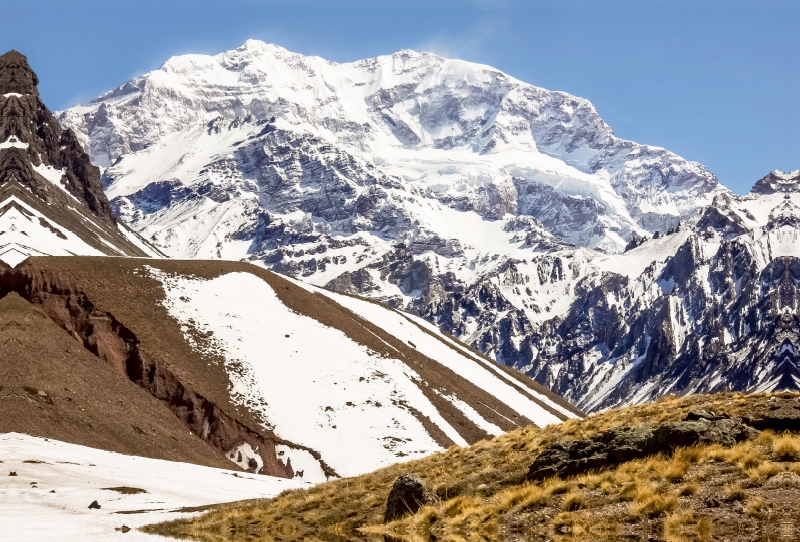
{"x": 27, "y": 232}
{"x": 327, "y": 393}
{"x": 434, "y": 345}
{"x": 55, "y": 482}
{"x": 313, "y": 385}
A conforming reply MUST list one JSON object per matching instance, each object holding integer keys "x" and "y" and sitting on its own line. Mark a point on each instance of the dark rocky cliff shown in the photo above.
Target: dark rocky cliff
{"x": 33, "y": 137}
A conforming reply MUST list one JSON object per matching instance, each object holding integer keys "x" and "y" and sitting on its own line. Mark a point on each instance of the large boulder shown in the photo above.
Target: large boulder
{"x": 610, "y": 448}
{"x": 408, "y": 494}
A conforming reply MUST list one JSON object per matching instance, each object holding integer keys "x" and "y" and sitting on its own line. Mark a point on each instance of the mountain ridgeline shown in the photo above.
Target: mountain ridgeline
{"x": 445, "y": 188}
{"x": 718, "y": 313}
{"x": 507, "y": 215}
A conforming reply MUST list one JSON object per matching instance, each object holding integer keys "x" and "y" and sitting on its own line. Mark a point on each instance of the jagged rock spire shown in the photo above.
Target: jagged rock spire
{"x": 31, "y": 137}
{"x": 16, "y": 75}
{"x": 51, "y": 196}
{"x": 777, "y": 181}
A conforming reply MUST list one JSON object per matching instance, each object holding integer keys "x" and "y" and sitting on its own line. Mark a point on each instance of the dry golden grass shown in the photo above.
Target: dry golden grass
{"x": 735, "y": 493}
{"x": 688, "y": 490}
{"x": 786, "y": 448}
{"x": 651, "y": 504}
{"x": 573, "y": 502}
{"x": 481, "y": 488}
{"x": 755, "y": 507}
{"x": 758, "y": 476}
{"x": 685, "y": 526}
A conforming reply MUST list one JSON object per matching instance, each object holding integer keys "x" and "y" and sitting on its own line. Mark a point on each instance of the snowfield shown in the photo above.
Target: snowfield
{"x": 27, "y": 232}
{"x": 313, "y": 385}
{"x": 431, "y": 342}
{"x": 55, "y": 483}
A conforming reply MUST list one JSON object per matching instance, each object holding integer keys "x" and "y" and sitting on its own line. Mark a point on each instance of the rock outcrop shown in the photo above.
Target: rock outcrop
{"x": 31, "y": 137}
{"x": 778, "y": 414}
{"x": 616, "y": 446}
{"x": 51, "y": 196}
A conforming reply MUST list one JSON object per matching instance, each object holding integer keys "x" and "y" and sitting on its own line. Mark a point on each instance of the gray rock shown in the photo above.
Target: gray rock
{"x": 408, "y": 494}
{"x": 702, "y": 414}
{"x": 782, "y": 414}
{"x": 622, "y": 444}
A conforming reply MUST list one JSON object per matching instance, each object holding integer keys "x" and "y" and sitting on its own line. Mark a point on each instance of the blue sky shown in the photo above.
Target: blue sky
{"x": 715, "y": 81}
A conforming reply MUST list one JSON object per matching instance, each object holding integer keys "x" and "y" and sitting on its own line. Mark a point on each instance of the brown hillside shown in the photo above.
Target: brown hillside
{"x": 743, "y": 492}
{"x": 113, "y": 308}
{"x": 53, "y": 387}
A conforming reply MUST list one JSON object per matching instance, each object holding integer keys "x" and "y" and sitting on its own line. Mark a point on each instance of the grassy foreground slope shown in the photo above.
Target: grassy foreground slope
{"x": 700, "y": 493}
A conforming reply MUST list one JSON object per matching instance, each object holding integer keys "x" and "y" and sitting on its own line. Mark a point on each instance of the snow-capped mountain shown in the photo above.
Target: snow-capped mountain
{"x": 439, "y": 186}
{"x": 218, "y": 363}
{"x": 711, "y": 308}
{"x": 304, "y": 135}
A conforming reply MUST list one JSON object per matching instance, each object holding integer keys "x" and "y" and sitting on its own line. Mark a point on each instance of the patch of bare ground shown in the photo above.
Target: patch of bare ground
{"x": 747, "y": 492}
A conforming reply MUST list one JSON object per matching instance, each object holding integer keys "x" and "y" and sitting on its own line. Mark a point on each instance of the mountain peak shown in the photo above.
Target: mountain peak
{"x": 777, "y": 181}
{"x": 16, "y": 75}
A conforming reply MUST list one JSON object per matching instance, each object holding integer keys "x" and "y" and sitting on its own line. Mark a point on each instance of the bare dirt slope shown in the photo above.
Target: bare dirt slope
{"x": 53, "y": 387}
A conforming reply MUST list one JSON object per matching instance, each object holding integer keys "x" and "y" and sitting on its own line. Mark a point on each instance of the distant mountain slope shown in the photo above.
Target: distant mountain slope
{"x": 712, "y": 308}
{"x": 442, "y": 187}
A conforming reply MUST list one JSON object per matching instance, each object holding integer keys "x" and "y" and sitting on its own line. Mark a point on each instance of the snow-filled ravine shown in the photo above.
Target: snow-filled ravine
{"x": 313, "y": 385}
{"x": 55, "y": 482}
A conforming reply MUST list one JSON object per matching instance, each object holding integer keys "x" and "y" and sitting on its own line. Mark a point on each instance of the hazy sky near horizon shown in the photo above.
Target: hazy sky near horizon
{"x": 716, "y": 81}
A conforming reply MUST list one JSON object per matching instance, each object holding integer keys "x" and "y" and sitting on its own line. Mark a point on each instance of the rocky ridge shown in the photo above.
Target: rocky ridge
{"x": 43, "y": 167}
{"x": 711, "y": 308}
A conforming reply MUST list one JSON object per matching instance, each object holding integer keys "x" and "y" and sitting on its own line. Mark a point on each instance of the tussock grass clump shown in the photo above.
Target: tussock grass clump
{"x": 676, "y": 471}
{"x": 759, "y": 475}
{"x": 755, "y": 507}
{"x": 628, "y": 492}
{"x": 686, "y": 525}
{"x": 651, "y": 504}
{"x": 735, "y": 493}
{"x": 571, "y": 524}
{"x": 786, "y": 448}
{"x": 573, "y": 502}
{"x": 688, "y": 490}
